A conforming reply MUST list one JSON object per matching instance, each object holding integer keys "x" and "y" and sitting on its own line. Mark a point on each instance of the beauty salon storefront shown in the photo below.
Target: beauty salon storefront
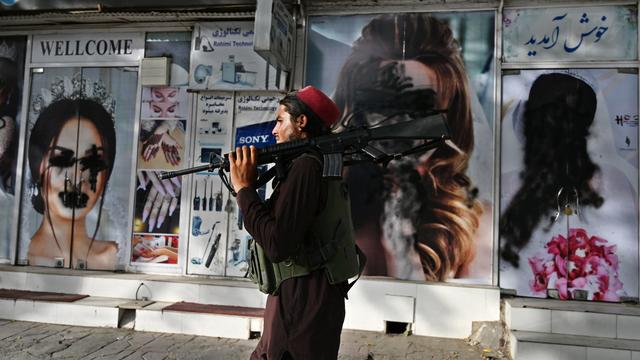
{"x": 542, "y": 200}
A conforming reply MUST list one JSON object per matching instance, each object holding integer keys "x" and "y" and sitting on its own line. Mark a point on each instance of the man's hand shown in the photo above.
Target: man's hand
{"x": 243, "y": 165}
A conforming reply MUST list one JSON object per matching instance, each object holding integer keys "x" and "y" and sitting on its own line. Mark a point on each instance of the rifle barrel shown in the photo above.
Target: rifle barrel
{"x": 170, "y": 174}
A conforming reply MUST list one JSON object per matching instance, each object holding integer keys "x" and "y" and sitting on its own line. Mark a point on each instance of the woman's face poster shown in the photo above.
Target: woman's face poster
{"x": 427, "y": 216}
{"x": 569, "y": 180}
{"x": 79, "y": 136}
{"x": 12, "y": 53}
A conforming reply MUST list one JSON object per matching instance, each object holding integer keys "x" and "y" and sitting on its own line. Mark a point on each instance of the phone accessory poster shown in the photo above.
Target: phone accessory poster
{"x": 255, "y": 118}
{"x": 208, "y": 232}
{"x": 569, "y": 180}
{"x": 254, "y": 122}
{"x": 210, "y": 201}
{"x": 437, "y": 226}
{"x": 223, "y": 59}
{"x": 12, "y": 52}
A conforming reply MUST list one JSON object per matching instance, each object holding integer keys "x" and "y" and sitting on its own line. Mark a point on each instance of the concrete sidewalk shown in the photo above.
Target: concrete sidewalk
{"x": 28, "y": 340}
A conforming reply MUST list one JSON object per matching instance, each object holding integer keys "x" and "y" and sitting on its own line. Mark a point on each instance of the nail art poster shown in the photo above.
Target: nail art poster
{"x": 161, "y": 147}
{"x": 157, "y": 203}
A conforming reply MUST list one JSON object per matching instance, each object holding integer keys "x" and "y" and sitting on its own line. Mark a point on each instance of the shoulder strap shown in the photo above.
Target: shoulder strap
{"x": 362, "y": 261}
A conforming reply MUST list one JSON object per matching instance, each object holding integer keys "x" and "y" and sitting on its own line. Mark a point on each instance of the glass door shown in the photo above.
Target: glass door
{"x": 569, "y": 184}
{"x": 79, "y": 136}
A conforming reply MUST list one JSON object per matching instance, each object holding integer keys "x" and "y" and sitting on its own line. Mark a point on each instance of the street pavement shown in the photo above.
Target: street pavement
{"x": 28, "y": 340}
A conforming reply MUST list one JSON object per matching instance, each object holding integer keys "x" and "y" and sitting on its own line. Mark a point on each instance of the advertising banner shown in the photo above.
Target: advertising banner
{"x": 254, "y": 122}
{"x": 76, "y": 181}
{"x": 98, "y": 47}
{"x": 12, "y": 53}
{"x": 162, "y": 142}
{"x": 569, "y": 180}
{"x": 427, "y": 217}
{"x": 210, "y": 201}
{"x": 218, "y": 243}
{"x": 571, "y": 34}
{"x": 223, "y": 59}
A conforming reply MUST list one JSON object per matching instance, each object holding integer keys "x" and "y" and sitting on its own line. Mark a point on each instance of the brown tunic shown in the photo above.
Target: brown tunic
{"x": 305, "y": 318}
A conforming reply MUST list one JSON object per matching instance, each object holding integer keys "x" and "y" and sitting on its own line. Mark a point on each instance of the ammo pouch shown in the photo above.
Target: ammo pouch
{"x": 267, "y": 275}
{"x": 331, "y": 247}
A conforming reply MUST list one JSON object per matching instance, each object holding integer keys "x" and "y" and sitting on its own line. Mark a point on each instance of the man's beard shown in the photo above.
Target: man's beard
{"x": 294, "y": 136}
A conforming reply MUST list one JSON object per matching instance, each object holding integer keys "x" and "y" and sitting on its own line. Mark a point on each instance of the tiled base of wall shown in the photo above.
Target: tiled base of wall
{"x": 573, "y": 330}
{"x": 431, "y": 309}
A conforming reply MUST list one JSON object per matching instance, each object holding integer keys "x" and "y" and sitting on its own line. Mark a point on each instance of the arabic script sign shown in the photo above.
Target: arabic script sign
{"x": 570, "y": 34}
{"x": 223, "y": 59}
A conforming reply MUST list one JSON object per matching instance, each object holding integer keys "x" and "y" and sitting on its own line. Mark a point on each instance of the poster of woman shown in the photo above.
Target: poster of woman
{"x": 12, "y": 52}
{"x": 426, "y": 217}
{"x": 164, "y": 102}
{"x": 78, "y": 137}
{"x": 164, "y": 128}
{"x": 569, "y": 204}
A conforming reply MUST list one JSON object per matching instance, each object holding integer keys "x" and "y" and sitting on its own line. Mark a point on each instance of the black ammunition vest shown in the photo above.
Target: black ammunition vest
{"x": 331, "y": 247}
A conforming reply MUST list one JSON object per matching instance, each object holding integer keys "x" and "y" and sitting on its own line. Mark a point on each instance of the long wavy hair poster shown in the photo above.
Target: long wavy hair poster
{"x": 569, "y": 184}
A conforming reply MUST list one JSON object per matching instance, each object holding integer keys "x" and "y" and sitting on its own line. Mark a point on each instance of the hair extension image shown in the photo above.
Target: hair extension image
{"x": 421, "y": 205}
{"x": 558, "y": 114}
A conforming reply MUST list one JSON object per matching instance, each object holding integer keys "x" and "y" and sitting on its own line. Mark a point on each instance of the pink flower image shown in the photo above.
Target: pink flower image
{"x": 581, "y": 263}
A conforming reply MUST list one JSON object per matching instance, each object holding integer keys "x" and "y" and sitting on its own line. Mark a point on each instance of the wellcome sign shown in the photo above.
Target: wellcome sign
{"x": 63, "y": 48}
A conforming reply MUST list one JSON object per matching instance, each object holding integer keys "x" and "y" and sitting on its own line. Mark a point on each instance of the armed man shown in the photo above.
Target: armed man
{"x": 304, "y": 249}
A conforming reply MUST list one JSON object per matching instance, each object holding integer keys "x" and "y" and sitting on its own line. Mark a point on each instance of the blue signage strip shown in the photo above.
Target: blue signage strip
{"x": 258, "y": 135}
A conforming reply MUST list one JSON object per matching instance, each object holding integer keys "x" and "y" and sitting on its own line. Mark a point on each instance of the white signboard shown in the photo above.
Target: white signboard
{"x": 99, "y": 47}
{"x": 210, "y": 202}
{"x": 256, "y": 107}
{"x": 223, "y": 59}
{"x": 570, "y": 34}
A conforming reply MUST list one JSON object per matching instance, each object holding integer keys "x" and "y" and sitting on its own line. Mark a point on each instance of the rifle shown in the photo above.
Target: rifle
{"x": 346, "y": 148}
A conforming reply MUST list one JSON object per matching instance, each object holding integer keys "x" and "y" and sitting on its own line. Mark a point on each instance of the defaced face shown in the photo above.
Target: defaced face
{"x": 164, "y": 102}
{"x": 420, "y": 74}
{"x": 67, "y": 170}
{"x": 406, "y": 81}
{"x": 286, "y": 128}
